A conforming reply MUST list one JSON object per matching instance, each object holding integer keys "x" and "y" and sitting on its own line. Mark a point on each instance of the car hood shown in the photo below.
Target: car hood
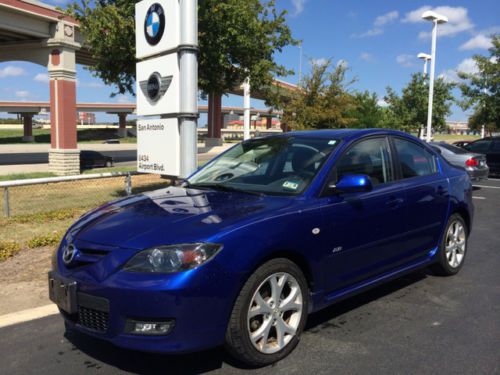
{"x": 173, "y": 215}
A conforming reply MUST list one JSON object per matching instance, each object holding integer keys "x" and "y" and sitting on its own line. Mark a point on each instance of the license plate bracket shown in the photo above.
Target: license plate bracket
{"x": 62, "y": 292}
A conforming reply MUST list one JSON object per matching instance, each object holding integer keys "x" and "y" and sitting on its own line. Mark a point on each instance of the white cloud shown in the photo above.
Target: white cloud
{"x": 343, "y": 63}
{"x": 377, "y": 25}
{"x": 458, "y": 20}
{"x": 123, "y": 99}
{"x": 22, "y": 94}
{"x": 466, "y": 66}
{"x": 480, "y": 41}
{"x": 382, "y": 103}
{"x": 11, "y": 71}
{"x": 406, "y": 60}
{"x": 298, "y": 7}
{"x": 90, "y": 84}
{"x": 365, "y": 56}
{"x": 319, "y": 62}
{"x": 42, "y": 77}
{"x": 386, "y": 18}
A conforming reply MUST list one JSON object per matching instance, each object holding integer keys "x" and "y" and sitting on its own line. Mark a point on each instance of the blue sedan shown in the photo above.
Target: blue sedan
{"x": 273, "y": 229}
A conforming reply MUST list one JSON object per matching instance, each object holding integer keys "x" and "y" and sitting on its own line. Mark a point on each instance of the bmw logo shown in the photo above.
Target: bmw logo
{"x": 69, "y": 254}
{"x": 154, "y": 24}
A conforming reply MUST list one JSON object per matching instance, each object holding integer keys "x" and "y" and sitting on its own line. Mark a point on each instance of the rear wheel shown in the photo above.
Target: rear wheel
{"x": 108, "y": 164}
{"x": 453, "y": 247}
{"x": 269, "y": 314}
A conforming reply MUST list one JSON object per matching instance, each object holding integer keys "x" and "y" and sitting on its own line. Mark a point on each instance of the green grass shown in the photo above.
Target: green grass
{"x": 13, "y": 136}
{"x": 454, "y": 137}
{"x": 113, "y": 169}
{"x": 25, "y": 176}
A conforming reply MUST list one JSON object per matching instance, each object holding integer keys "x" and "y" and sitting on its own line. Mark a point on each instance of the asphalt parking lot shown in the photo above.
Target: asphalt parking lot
{"x": 420, "y": 324}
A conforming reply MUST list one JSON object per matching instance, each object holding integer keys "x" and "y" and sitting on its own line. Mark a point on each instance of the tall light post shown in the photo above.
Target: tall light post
{"x": 300, "y": 63}
{"x": 426, "y": 57}
{"x": 436, "y": 19}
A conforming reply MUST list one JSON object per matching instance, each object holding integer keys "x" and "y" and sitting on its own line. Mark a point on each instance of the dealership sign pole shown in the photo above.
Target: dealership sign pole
{"x": 167, "y": 86}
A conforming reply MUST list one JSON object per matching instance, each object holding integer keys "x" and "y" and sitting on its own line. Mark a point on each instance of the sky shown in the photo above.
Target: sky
{"x": 378, "y": 40}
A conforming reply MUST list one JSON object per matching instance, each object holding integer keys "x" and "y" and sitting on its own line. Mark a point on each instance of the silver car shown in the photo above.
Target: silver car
{"x": 474, "y": 164}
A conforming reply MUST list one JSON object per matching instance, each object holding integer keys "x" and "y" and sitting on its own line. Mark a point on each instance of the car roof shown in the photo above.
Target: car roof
{"x": 345, "y": 133}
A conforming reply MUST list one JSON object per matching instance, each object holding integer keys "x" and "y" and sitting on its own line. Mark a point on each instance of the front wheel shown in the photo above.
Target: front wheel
{"x": 453, "y": 247}
{"x": 269, "y": 314}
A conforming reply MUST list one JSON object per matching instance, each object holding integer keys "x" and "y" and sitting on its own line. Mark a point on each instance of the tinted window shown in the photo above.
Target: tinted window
{"x": 414, "y": 159}
{"x": 479, "y": 146}
{"x": 496, "y": 146}
{"x": 454, "y": 149}
{"x": 370, "y": 157}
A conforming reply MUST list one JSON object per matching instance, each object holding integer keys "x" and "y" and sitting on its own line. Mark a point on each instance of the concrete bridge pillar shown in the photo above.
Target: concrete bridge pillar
{"x": 214, "y": 136}
{"x": 122, "y": 122}
{"x": 28, "y": 127}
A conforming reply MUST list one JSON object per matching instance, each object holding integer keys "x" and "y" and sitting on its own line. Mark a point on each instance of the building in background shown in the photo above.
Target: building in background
{"x": 458, "y": 127}
{"x": 86, "y": 118}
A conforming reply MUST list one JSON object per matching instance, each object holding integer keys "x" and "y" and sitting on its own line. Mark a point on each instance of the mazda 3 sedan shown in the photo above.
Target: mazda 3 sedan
{"x": 270, "y": 231}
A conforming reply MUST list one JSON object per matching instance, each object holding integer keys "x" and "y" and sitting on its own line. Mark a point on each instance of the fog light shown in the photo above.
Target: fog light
{"x": 149, "y": 328}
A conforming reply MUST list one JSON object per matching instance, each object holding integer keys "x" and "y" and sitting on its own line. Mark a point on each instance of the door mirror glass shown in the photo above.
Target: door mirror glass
{"x": 352, "y": 183}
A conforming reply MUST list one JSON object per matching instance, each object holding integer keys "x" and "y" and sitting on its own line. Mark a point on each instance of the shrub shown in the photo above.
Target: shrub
{"x": 8, "y": 249}
{"x": 45, "y": 240}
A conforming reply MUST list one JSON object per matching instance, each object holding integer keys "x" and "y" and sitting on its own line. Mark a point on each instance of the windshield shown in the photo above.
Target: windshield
{"x": 454, "y": 149}
{"x": 273, "y": 165}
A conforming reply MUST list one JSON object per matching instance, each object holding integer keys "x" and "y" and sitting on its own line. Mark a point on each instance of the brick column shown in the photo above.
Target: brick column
{"x": 28, "y": 127}
{"x": 214, "y": 125}
{"x": 122, "y": 122}
{"x": 64, "y": 156}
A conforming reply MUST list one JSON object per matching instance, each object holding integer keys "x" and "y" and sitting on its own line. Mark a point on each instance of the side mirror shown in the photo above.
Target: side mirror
{"x": 352, "y": 183}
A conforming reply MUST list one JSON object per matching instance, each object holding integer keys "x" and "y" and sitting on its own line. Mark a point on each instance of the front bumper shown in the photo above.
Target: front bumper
{"x": 103, "y": 309}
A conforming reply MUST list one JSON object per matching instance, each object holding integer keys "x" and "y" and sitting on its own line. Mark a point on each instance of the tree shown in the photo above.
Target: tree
{"x": 408, "y": 112}
{"x": 237, "y": 38}
{"x": 323, "y": 100}
{"x": 367, "y": 112}
{"x": 481, "y": 89}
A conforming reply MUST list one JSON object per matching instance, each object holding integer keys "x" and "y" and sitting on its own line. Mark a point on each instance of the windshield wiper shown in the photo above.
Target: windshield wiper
{"x": 223, "y": 187}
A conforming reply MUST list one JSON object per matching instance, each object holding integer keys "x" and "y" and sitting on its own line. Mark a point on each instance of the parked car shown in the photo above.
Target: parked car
{"x": 491, "y": 148}
{"x": 461, "y": 144}
{"x": 241, "y": 259}
{"x": 94, "y": 159}
{"x": 474, "y": 164}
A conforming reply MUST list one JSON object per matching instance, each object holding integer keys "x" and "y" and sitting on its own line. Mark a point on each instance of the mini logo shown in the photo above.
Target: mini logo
{"x": 69, "y": 254}
{"x": 156, "y": 86}
{"x": 154, "y": 24}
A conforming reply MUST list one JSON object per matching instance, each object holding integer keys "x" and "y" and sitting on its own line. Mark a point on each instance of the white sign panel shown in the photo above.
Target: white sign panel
{"x": 158, "y": 146}
{"x": 157, "y": 27}
{"x": 158, "y": 89}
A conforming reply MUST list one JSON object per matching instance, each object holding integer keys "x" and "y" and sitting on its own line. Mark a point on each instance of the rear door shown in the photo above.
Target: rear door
{"x": 427, "y": 196}
{"x": 364, "y": 231}
{"x": 494, "y": 157}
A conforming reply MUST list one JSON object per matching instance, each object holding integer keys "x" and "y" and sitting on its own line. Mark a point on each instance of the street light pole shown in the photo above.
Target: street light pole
{"x": 435, "y": 19}
{"x": 426, "y": 58}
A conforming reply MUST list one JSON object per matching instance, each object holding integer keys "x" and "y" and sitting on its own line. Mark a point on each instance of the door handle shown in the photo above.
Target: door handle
{"x": 441, "y": 190}
{"x": 394, "y": 202}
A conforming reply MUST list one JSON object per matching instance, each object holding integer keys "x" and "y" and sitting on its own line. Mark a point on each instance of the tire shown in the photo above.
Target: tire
{"x": 108, "y": 164}
{"x": 451, "y": 262}
{"x": 248, "y": 318}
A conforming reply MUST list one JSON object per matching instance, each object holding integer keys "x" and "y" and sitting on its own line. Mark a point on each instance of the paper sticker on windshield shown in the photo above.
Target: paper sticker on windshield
{"x": 290, "y": 185}
{"x": 332, "y": 142}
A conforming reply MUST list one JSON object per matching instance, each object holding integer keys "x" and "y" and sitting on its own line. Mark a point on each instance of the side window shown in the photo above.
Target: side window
{"x": 496, "y": 146}
{"x": 371, "y": 158}
{"x": 414, "y": 159}
{"x": 479, "y": 146}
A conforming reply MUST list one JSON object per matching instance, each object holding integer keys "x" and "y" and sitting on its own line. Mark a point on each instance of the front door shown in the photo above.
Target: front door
{"x": 364, "y": 230}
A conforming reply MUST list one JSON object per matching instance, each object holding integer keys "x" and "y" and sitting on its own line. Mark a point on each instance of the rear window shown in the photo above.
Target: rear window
{"x": 479, "y": 146}
{"x": 454, "y": 149}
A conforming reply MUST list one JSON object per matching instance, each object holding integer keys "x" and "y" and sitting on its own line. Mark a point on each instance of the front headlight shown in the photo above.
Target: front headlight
{"x": 174, "y": 258}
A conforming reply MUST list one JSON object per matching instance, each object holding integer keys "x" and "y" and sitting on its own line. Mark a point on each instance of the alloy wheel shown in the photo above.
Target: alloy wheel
{"x": 455, "y": 244}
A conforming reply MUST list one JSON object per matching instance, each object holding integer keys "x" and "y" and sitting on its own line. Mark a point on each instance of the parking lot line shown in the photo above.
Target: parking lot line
{"x": 27, "y": 315}
{"x": 487, "y": 187}
{"x": 478, "y": 197}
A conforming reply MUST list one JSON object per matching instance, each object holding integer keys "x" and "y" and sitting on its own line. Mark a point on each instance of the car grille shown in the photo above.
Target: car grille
{"x": 89, "y": 256}
{"x": 93, "y": 319}
{"x": 93, "y": 312}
